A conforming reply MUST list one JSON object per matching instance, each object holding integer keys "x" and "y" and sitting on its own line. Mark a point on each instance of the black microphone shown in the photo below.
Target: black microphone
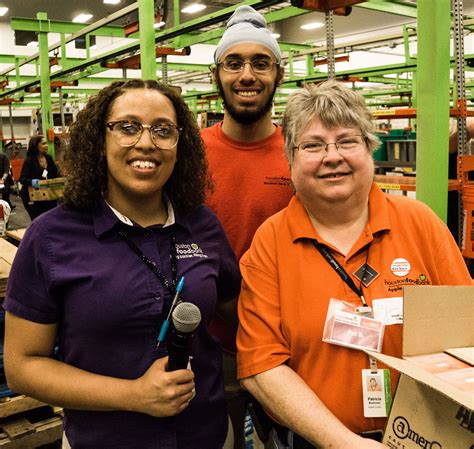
{"x": 185, "y": 318}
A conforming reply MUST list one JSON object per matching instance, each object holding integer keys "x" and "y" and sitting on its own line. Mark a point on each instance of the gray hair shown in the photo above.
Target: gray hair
{"x": 334, "y": 105}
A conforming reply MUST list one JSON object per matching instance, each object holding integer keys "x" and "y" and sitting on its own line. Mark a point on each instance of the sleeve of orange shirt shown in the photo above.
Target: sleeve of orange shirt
{"x": 259, "y": 308}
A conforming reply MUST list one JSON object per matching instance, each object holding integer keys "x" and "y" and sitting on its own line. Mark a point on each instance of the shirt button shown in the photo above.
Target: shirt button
{"x": 157, "y": 297}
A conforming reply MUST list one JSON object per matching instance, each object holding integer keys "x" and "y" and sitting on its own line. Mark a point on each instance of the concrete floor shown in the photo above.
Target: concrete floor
{"x": 19, "y": 218}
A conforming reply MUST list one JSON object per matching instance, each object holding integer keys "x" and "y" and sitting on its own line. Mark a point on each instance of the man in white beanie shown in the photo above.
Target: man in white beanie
{"x": 246, "y": 159}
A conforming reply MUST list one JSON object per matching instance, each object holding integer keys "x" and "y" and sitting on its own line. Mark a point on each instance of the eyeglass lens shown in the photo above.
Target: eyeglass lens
{"x": 259, "y": 65}
{"x": 127, "y": 134}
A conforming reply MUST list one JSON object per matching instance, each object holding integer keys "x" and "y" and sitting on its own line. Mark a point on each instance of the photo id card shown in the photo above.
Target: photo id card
{"x": 376, "y": 393}
{"x": 345, "y": 327}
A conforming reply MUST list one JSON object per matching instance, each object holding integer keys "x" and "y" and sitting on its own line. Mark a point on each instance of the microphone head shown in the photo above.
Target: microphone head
{"x": 186, "y": 317}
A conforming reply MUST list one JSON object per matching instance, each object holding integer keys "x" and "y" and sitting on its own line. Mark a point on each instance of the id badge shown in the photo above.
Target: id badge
{"x": 345, "y": 327}
{"x": 44, "y": 174}
{"x": 376, "y": 393}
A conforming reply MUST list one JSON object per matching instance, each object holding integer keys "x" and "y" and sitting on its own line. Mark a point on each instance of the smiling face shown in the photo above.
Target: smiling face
{"x": 138, "y": 172}
{"x": 247, "y": 95}
{"x": 332, "y": 179}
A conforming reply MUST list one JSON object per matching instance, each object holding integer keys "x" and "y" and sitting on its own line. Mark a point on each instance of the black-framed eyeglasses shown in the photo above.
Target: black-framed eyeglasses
{"x": 345, "y": 146}
{"x": 127, "y": 133}
{"x": 258, "y": 65}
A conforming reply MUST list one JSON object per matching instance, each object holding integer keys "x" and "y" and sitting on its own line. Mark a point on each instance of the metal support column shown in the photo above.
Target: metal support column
{"x": 46, "y": 112}
{"x": 164, "y": 69}
{"x": 460, "y": 82}
{"x": 433, "y": 104}
{"x": 61, "y": 110}
{"x": 146, "y": 18}
{"x": 330, "y": 45}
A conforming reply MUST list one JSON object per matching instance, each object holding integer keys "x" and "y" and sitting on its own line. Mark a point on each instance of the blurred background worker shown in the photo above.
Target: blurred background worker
{"x": 38, "y": 165}
{"x": 246, "y": 160}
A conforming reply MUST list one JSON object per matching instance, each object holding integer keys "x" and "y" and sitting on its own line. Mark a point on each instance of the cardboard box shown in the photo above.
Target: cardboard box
{"x": 48, "y": 190}
{"x": 427, "y": 411}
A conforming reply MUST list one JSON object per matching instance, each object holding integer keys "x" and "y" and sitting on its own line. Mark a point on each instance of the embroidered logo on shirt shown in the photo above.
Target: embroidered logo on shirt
{"x": 188, "y": 250}
{"x": 397, "y": 285}
{"x": 277, "y": 180}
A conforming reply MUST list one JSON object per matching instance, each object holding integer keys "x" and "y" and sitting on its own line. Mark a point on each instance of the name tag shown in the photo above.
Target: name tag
{"x": 376, "y": 393}
{"x": 344, "y": 327}
{"x": 389, "y": 310}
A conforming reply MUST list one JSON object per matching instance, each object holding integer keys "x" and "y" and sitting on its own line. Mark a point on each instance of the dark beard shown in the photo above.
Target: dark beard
{"x": 246, "y": 117}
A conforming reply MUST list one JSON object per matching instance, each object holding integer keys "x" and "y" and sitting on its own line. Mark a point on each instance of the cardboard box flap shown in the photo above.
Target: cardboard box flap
{"x": 432, "y": 323}
{"x": 404, "y": 366}
{"x": 464, "y": 354}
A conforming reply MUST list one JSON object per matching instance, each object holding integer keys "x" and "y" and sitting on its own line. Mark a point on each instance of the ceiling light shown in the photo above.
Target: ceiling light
{"x": 276, "y": 35}
{"x": 111, "y": 2}
{"x": 312, "y": 25}
{"x": 81, "y": 18}
{"x": 159, "y": 24}
{"x": 194, "y": 7}
{"x": 3, "y": 10}
{"x": 32, "y": 44}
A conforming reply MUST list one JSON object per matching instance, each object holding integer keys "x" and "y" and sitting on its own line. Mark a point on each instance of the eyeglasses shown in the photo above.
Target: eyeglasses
{"x": 258, "y": 65}
{"x": 345, "y": 146}
{"x": 127, "y": 133}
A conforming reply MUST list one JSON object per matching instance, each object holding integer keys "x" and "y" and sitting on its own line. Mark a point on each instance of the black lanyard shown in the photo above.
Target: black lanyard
{"x": 152, "y": 265}
{"x": 339, "y": 269}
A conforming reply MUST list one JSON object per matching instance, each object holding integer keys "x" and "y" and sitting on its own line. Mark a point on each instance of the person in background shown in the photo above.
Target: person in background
{"x": 6, "y": 180}
{"x": 97, "y": 276}
{"x": 38, "y": 165}
{"x": 246, "y": 160}
{"x": 342, "y": 245}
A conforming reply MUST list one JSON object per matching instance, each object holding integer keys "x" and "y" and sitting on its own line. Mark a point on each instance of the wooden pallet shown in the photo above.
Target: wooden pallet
{"x": 19, "y": 431}
{"x": 7, "y": 254}
{"x": 15, "y": 235}
{"x": 12, "y": 405}
{"x": 22, "y": 434}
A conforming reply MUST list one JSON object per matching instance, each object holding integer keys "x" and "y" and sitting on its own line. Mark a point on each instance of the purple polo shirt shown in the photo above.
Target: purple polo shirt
{"x": 72, "y": 268}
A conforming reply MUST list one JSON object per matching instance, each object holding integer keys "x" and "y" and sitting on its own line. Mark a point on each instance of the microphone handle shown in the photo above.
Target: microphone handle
{"x": 179, "y": 348}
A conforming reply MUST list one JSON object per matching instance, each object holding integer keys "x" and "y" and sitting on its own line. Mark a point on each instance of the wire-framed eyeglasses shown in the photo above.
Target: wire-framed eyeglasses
{"x": 127, "y": 133}
{"x": 258, "y": 65}
{"x": 345, "y": 146}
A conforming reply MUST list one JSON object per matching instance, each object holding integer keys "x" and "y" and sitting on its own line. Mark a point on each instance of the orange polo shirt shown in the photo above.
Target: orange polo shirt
{"x": 287, "y": 286}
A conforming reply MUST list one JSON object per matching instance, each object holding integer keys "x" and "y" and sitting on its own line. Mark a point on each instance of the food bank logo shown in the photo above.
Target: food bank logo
{"x": 401, "y": 428}
{"x": 188, "y": 250}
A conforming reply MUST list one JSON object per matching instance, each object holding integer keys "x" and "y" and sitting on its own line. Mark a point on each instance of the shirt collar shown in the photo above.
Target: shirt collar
{"x": 169, "y": 221}
{"x": 105, "y": 217}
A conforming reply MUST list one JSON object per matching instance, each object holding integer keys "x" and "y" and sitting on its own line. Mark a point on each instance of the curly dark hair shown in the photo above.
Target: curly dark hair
{"x": 33, "y": 145}
{"x": 86, "y": 162}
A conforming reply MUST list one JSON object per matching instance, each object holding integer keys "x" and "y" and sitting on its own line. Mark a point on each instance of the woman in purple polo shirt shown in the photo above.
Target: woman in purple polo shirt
{"x": 137, "y": 176}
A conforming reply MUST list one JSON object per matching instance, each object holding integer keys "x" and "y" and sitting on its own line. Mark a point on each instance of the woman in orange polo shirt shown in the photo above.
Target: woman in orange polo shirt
{"x": 324, "y": 276}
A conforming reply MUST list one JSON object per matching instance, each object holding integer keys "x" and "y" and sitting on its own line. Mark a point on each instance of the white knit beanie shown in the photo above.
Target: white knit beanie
{"x": 247, "y": 25}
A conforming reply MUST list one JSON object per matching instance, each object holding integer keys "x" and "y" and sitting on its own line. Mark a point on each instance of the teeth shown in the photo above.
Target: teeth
{"x": 335, "y": 175}
{"x": 248, "y": 93}
{"x": 143, "y": 164}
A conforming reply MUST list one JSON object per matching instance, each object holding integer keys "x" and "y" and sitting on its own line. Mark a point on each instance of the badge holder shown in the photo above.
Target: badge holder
{"x": 352, "y": 326}
{"x": 376, "y": 391}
